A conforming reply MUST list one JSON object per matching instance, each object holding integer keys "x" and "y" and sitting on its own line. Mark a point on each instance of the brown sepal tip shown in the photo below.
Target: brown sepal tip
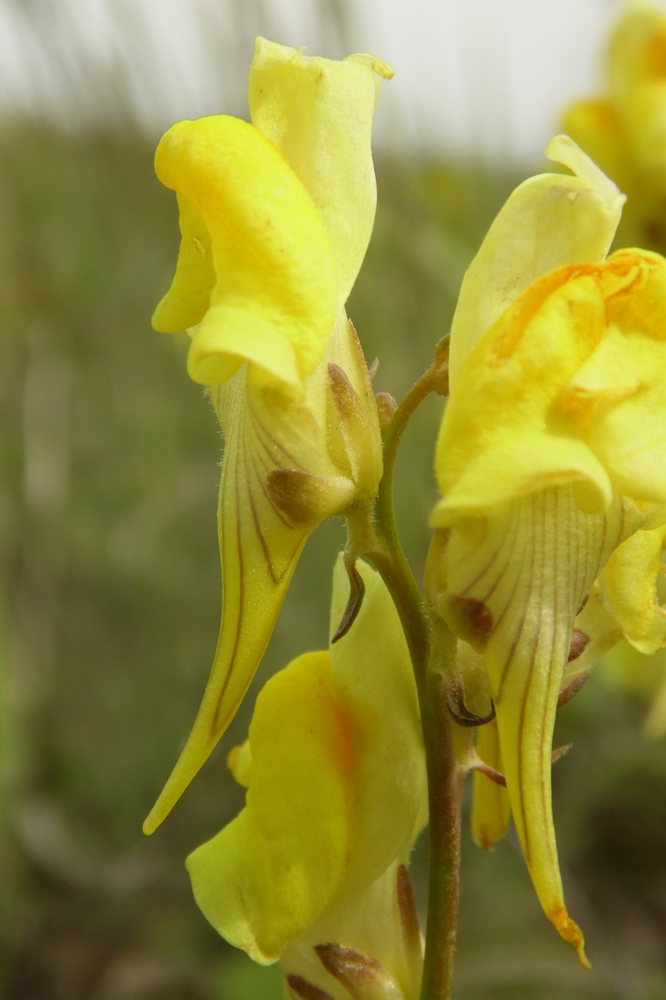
{"x": 354, "y": 601}
{"x": 409, "y": 920}
{"x": 357, "y": 972}
{"x": 572, "y": 688}
{"x": 579, "y": 641}
{"x": 304, "y": 990}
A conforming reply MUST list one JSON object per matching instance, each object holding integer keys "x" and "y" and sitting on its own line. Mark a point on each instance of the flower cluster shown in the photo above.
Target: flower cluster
{"x": 547, "y": 536}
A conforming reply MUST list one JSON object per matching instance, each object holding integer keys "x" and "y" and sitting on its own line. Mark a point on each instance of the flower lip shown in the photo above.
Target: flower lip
{"x": 274, "y": 300}
{"x": 549, "y": 221}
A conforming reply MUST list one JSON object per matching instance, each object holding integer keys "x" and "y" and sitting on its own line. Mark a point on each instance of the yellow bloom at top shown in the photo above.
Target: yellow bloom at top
{"x": 625, "y": 130}
{"x": 551, "y": 455}
{"x": 275, "y": 219}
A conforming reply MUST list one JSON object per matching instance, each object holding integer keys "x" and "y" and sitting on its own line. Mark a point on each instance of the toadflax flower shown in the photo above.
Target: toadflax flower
{"x": 624, "y": 131}
{"x": 275, "y": 218}
{"x": 551, "y": 459}
{"x": 312, "y": 871}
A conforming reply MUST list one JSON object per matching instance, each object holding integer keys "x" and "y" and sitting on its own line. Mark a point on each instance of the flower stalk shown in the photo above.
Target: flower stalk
{"x": 432, "y": 648}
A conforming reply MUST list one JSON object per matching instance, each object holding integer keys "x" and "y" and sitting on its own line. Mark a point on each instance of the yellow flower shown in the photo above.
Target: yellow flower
{"x": 335, "y": 771}
{"x": 275, "y": 218}
{"x": 625, "y": 130}
{"x": 551, "y": 454}
{"x": 631, "y": 590}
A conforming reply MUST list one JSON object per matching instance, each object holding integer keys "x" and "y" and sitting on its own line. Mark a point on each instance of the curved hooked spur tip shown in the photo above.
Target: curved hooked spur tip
{"x": 455, "y": 700}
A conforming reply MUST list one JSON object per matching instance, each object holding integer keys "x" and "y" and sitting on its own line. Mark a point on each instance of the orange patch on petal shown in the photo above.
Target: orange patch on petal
{"x": 571, "y": 932}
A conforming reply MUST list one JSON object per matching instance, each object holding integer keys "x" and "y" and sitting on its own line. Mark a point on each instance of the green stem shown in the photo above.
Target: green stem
{"x": 446, "y": 780}
{"x": 380, "y": 543}
{"x": 390, "y": 560}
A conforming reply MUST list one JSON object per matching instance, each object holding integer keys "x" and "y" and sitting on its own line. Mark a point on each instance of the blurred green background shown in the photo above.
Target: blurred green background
{"x": 110, "y": 606}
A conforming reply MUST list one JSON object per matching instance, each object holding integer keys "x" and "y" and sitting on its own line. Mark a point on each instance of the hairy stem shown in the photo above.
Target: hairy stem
{"x": 380, "y": 543}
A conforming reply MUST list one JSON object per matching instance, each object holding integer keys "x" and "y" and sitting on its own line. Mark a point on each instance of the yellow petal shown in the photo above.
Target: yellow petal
{"x": 275, "y": 297}
{"x": 516, "y": 580}
{"x": 491, "y": 809}
{"x": 628, "y": 589}
{"x": 319, "y": 112}
{"x": 239, "y": 763}
{"x": 188, "y": 299}
{"x": 503, "y": 434}
{"x": 622, "y": 385}
{"x": 382, "y": 706}
{"x": 581, "y": 356}
{"x": 549, "y": 221}
{"x": 270, "y": 872}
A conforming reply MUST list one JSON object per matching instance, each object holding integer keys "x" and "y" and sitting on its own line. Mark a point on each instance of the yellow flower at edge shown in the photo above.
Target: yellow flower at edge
{"x": 551, "y": 454}
{"x": 275, "y": 219}
{"x": 334, "y": 765}
{"x": 624, "y": 131}
{"x": 633, "y": 589}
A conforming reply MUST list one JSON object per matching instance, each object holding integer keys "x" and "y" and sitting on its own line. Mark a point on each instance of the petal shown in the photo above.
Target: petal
{"x": 372, "y": 673}
{"x": 516, "y": 581}
{"x": 188, "y": 299}
{"x": 275, "y": 298}
{"x": 491, "y": 809}
{"x": 623, "y": 383}
{"x": 504, "y": 432}
{"x": 319, "y": 112}
{"x": 628, "y": 589}
{"x": 549, "y": 221}
{"x": 581, "y": 355}
{"x": 268, "y": 874}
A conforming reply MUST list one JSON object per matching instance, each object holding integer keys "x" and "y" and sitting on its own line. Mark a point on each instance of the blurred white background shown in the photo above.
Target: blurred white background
{"x": 473, "y": 77}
